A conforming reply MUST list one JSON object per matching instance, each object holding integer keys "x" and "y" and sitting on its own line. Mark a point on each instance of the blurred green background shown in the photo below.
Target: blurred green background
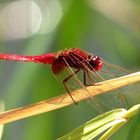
{"x": 110, "y": 29}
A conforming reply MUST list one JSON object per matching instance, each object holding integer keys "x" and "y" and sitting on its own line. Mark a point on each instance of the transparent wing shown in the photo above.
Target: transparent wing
{"x": 76, "y": 82}
{"x": 112, "y": 71}
{"x": 116, "y": 98}
{"x": 105, "y": 101}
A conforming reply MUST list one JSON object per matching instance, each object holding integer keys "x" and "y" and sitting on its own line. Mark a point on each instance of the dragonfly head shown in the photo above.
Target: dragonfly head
{"x": 95, "y": 62}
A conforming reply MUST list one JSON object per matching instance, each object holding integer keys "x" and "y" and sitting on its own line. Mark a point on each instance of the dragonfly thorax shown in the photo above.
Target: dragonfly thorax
{"x": 77, "y": 59}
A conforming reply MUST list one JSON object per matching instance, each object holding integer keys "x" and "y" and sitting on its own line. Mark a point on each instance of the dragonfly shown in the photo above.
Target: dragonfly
{"x": 75, "y": 60}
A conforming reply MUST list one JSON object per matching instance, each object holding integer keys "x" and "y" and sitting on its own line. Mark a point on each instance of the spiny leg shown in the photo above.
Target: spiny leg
{"x": 65, "y": 84}
{"x": 92, "y": 99}
{"x": 85, "y": 75}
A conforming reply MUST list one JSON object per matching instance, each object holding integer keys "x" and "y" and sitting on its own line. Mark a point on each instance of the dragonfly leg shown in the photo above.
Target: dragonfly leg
{"x": 65, "y": 84}
{"x": 85, "y": 75}
{"x": 92, "y": 81}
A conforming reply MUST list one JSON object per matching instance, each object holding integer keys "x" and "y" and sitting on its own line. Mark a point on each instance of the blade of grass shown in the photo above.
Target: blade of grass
{"x": 128, "y": 115}
{"x": 108, "y": 122}
{"x": 65, "y": 100}
{"x": 94, "y": 127}
{"x": 113, "y": 129}
{"x": 134, "y": 133}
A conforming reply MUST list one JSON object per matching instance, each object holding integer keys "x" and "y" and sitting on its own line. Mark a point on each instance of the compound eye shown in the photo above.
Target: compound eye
{"x": 96, "y": 63}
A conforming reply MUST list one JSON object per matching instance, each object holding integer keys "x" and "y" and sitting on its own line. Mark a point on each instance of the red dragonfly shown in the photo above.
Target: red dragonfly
{"x": 73, "y": 58}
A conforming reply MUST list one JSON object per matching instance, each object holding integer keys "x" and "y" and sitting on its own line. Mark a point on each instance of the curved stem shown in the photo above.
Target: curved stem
{"x": 65, "y": 100}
